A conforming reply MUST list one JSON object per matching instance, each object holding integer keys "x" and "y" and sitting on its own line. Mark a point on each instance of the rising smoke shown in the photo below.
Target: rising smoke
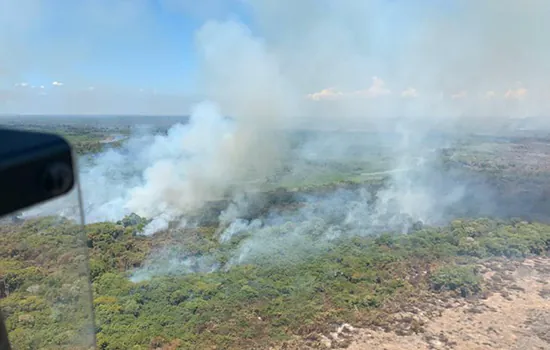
{"x": 327, "y": 64}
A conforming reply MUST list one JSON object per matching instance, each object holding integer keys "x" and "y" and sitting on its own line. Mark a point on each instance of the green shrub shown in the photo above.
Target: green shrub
{"x": 462, "y": 279}
{"x": 292, "y": 292}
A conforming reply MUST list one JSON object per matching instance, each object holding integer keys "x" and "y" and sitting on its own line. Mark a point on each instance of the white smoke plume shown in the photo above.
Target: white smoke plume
{"x": 330, "y": 64}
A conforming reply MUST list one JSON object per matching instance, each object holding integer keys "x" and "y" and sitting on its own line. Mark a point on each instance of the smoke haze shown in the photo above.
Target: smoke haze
{"x": 357, "y": 58}
{"x": 326, "y": 64}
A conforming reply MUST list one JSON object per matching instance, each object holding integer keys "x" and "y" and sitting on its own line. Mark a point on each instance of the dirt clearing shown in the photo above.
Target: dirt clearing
{"x": 515, "y": 314}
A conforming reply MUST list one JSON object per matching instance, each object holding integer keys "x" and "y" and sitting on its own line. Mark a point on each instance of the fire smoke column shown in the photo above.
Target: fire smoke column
{"x": 229, "y": 143}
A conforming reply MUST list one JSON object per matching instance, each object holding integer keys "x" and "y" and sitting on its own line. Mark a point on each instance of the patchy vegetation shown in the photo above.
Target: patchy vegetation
{"x": 85, "y": 139}
{"x": 284, "y": 300}
{"x": 457, "y": 278}
{"x": 247, "y": 306}
{"x": 44, "y": 285}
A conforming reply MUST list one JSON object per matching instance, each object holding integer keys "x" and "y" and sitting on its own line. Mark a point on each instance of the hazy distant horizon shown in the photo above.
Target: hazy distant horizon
{"x": 475, "y": 125}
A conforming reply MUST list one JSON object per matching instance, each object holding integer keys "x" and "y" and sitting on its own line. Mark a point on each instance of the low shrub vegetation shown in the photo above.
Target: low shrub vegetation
{"x": 257, "y": 305}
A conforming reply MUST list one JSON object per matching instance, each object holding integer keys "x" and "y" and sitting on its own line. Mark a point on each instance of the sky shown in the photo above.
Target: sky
{"x": 308, "y": 57}
{"x": 132, "y": 49}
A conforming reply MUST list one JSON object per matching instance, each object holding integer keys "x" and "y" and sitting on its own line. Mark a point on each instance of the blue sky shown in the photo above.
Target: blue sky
{"x": 141, "y": 43}
{"x": 148, "y": 45}
{"x": 137, "y": 48}
{"x": 139, "y": 56}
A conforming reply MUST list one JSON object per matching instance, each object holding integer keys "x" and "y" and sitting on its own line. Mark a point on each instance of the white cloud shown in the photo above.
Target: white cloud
{"x": 377, "y": 89}
{"x": 516, "y": 94}
{"x": 57, "y": 83}
{"x": 21, "y": 84}
{"x": 459, "y": 95}
{"x": 325, "y": 94}
{"x": 410, "y": 92}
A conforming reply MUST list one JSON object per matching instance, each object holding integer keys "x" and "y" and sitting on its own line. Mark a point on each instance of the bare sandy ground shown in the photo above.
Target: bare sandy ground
{"x": 514, "y": 315}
